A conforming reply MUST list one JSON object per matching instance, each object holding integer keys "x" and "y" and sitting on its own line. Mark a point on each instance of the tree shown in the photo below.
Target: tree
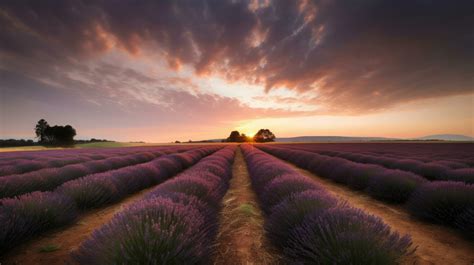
{"x": 40, "y": 129}
{"x": 264, "y": 135}
{"x": 60, "y": 135}
{"x": 234, "y": 137}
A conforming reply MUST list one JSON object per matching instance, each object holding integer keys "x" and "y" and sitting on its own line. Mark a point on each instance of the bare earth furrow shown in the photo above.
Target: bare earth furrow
{"x": 241, "y": 238}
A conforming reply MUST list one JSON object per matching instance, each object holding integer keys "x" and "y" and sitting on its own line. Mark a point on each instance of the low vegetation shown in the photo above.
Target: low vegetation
{"x": 178, "y": 220}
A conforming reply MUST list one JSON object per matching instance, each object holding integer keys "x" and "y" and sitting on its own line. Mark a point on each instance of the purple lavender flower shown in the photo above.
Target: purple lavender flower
{"x": 441, "y": 201}
{"x": 343, "y": 235}
{"x": 157, "y": 231}
{"x": 394, "y": 185}
{"x": 30, "y": 214}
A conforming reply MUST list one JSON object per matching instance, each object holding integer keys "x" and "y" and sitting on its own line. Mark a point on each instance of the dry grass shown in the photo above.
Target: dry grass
{"x": 241, "y": 238}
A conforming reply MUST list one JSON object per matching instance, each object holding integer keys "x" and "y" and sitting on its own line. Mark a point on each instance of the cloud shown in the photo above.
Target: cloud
{"x": 115, "y": 108}
{"x": 352, "y": 57}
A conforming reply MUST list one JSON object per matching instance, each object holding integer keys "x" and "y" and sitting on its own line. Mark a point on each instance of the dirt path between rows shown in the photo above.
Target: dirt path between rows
{"x": 241, "y": 238}
{"x": 67, "y": 238}
{"x": 435, "y": 244}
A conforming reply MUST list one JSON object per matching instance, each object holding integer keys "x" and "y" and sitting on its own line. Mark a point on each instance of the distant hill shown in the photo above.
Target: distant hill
{"x": 336, "y": 139}
{"x": 331, "y": 139}
{"x": 437, "y": 137}
{"x": 447, "y": 137}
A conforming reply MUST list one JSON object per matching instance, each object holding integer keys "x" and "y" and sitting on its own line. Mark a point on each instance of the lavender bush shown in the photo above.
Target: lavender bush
{"x": 343, "y": 235}
{"x": 90, "y": 192}
{"x": 394, "y": 185}
{"x": 312, "y": 227}
{"x": 283, "y": 186}
{"x": 193, "y": 186}
{"x": 99, "y": 189}
{"x": 31, "y": 214}
{"x": 156, "y": 231}
{"x": 439, "y": 201}
{"x": 289, "y": 213}
{"x": 176, "y": 223}
{"x": 431, "y": 170}
{"x": 463, "y": 174}
{"x": 442, "y": 201}
{"x": 465, "y": 223}
{"x": 48, "y": 179}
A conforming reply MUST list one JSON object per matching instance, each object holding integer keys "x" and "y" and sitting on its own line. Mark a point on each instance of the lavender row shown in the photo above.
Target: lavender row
{"x": 99, "y": 189}
{"x": 447, "y": 162}
{"x": 176, "y": 223}
{"x": 16, "y": 158}
{"x": 426, "y": 152}
{"x": 50, "y": 178}
{"x": 6, "y": 157}
{"x": 310, "y": 226}
{"x": 441, "y": 170}
{"x": 30, "y": 214}
{"x": 20, "y": 166}
{"x": 444, "y": 202}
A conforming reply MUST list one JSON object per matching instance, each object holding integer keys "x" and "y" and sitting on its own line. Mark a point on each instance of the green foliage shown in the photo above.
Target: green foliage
{"x": 247, "y": 209}
{"x": 49, "y": 248}
{"x": 264, "y": 135}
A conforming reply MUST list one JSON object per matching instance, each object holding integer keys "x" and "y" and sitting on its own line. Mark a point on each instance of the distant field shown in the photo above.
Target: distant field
{"x": 215, "y": 203}
{"x": 87, "y": 145}
{"x": 98, "y": 145}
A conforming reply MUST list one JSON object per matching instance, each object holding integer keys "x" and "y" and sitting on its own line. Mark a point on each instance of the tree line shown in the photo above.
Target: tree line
{"x": 54, "y": 135}
{"x": 262, "y": 136}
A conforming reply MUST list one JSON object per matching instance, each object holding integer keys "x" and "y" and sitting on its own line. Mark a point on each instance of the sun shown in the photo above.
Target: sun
{"x": 250, "y": 134}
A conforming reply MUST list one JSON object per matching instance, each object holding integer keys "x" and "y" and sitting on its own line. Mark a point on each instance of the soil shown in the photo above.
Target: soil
{"x": 67, "y": 238}
{"x": 435, "y": 244}
{"x": 241, "y": 238}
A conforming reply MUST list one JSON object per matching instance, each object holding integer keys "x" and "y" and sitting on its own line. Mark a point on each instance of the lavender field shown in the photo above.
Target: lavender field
{"x": 236, "y": 132}
{"x": 163, "y": 204}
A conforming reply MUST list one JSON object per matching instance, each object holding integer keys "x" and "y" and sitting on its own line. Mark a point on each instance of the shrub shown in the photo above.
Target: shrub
{"x": 452, "y": 164}
{"x": 175, "y": 223}
{"x": 343, "y": 235}
{"x": 360, "y": 176}
{"x": 312, "y": 227}
{"x": 291, "y": 211}
{"x": 156, "y": 231}
{"x": 49, "y": 178}
{"x": 166, "y": 167}
{"x": 209, "y": 213}
{"x": 194, "y": 186}
{"x": 13, "y": 185}
{"x": 281, "y": 187}
{"x": 22, "y": 166}
{"x": 133, "y": 178}
{"x": 441, "y": 201}
{"x": 91, "y": 192}
{"x": 463, "y": 174}
{"x": 97, "y": 166}
{"x": 30, "y": 214}
{"x": 394, "y": 185}
{"x": 465, "y": 223}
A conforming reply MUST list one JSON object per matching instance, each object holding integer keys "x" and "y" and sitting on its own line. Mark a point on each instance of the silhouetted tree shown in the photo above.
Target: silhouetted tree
{"x": 40, "y": 129}
{"x": 15, "y": 142}
{"x": 234, "y": 137}
{"x": 264, "y": 135}
{"x": 60, "y": 135}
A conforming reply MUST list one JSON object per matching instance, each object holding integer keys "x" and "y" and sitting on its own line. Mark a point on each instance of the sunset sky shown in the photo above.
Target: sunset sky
{"x": 160, "y": 71}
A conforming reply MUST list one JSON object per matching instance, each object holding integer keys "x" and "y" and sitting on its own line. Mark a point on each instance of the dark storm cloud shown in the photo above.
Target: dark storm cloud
{"x": 355, "y": 55}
